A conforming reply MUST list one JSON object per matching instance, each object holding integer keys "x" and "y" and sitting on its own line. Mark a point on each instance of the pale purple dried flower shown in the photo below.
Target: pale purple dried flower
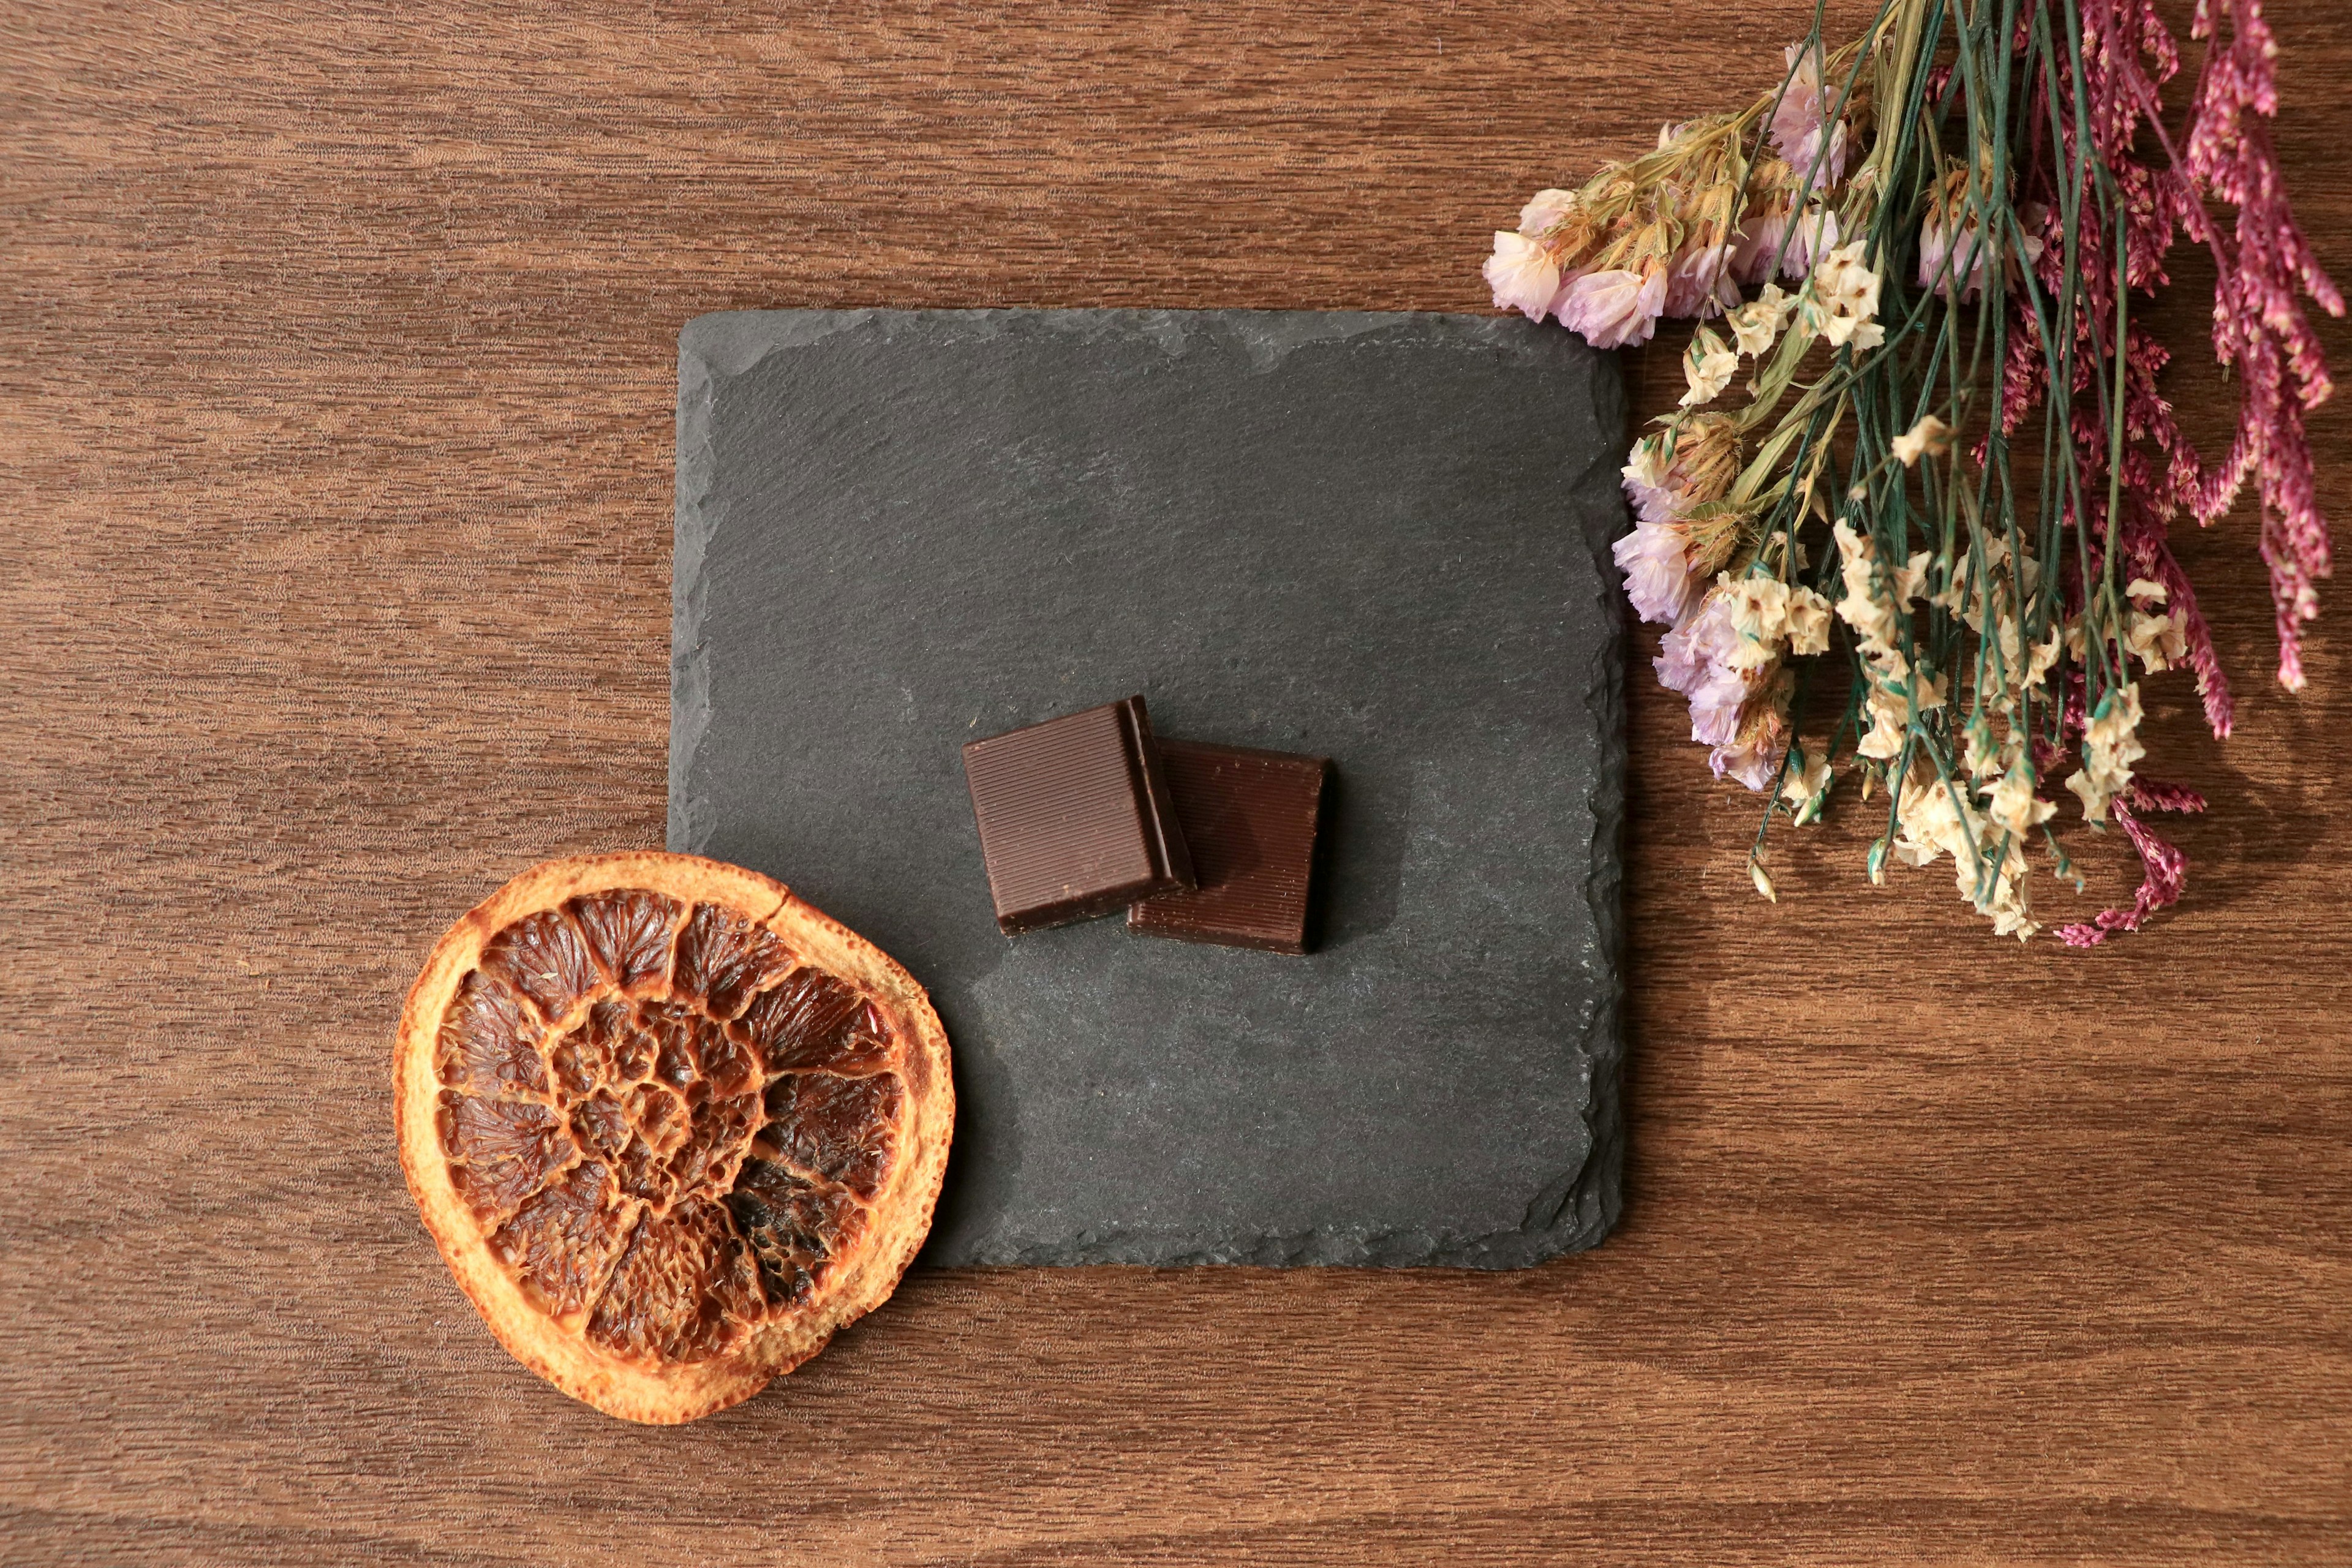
{"x": 1614, "y": 308}
{"x": 1801, "y": 124}
{"x": 1699, "y": 284}
{"x": 1659, "y": 582}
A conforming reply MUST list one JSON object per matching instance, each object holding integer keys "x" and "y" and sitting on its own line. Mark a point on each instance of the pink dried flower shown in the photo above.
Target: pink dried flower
{"x": 2259, "y": 329}
{"x": 1715, "y": 708}
{"x": 1754, "y": 757}
{"x": 2165, "y": 868}
{"x": 1758, "y": 240}
{"x": 2259, "y": 326}
{"x": 1740, "y": 715}
{"x": 1668, "y": 556}
{"x": 2149, "y": 554}
{"x": 1653, "y": 503}
{"x": 1659, "y": 582}
{"x": 1681, "y": 663}
{"x": 1817, "y": 233}
{"x": 1952, "y": 247}
{"x": 1699, "y": 284}
{"x": 2127, "y": 470}
{"x": 1614, "y": 308}
{"x": 1801, "y": 124}
{"x": 1545, "y": 211}
{"x": 1695, "y": 659}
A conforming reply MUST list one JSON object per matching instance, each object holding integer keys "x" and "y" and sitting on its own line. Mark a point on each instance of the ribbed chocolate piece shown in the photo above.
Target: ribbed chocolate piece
{"x": 1250, "y": 820}
{"x": 1074, "y": 817}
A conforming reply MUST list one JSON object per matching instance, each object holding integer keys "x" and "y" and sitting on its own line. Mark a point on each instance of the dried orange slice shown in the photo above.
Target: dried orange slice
{"x": 670, "y": 1126}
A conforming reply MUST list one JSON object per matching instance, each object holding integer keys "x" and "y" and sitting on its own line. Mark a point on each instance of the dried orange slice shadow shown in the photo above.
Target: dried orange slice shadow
{"x": 671, "y": 1127}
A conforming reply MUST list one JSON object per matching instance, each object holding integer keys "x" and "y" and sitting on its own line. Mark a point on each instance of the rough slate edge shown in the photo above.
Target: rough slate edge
{"x": 1580, "y": 1210}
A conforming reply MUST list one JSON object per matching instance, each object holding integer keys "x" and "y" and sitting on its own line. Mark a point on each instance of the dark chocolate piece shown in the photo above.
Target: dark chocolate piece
{"x": 1249, "y": 818}
{"x": 1074, "y": 817}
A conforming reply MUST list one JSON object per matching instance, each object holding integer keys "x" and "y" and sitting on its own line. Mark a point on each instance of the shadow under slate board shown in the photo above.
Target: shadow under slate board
{"x": 1380, "y": 538}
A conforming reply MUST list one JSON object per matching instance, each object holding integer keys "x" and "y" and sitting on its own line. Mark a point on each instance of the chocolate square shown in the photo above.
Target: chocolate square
{"x": 1249, "y": 819}
{"x": 1074, "y": 817}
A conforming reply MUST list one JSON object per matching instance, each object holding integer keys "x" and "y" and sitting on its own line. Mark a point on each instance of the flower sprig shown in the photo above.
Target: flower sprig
{"x": 1911, "y": 253}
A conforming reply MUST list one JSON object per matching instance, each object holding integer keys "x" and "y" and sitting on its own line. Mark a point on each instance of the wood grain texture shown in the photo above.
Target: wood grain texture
{"x": 335, "y": 402}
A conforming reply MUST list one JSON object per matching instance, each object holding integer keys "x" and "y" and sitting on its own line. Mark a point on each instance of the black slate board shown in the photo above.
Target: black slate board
{"x": 1377, "y": 537}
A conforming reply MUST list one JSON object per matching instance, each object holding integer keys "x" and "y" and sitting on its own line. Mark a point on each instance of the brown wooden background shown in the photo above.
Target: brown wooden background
{"x": 336, "y": 442}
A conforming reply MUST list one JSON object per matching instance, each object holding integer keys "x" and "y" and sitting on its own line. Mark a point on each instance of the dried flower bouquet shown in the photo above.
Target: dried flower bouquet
{"x": 1921, "y": 406}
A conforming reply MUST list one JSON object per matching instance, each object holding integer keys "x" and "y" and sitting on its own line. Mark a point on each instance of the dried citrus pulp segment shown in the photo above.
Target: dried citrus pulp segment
{"x": 670, "y": 1126}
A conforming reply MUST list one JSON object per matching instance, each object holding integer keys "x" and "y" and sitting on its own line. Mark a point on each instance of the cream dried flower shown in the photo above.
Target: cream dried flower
{"x": 1756, "y": 324}
{"x": 1844, "y": 300}
{"x": 1523, "y": 275}
{"x": 2023, "y": 666}
{"x": 2157, "y": 639}
{"x": 1806, "y": 788}
{"x": 1759, "y": 608}
{"x": 1929, "y": 437}
{"x": 1707, "y": 367}
{"x": 1890, "y": 722}
{"x": 2110, "y": 746}
{"x": 1773, "y": 618}
{"x": 1932, "y": 819}
{"x": 1911, "y": 578}
{"x": 2044, "y": 655}
{"x": 1874, "y": 597}
{"x": 1807, "y": 621}
{"x": 1867, "y": 607}
{"x": 2012, "y": 805}
{"x": 1646, "y": 466}
{"x": 1981, "y": 757}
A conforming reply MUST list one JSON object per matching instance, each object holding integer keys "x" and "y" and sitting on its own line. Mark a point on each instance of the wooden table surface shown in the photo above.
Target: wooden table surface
{"x": 338, "y": 359}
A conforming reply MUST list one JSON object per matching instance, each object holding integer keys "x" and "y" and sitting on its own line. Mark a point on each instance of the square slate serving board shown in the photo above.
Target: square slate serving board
{"x": 1381, "y": 538}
